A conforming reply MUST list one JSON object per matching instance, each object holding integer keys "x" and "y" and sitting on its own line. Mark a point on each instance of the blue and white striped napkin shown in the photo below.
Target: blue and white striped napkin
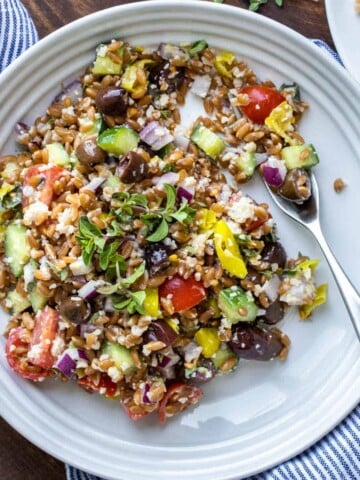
{"x": 337, "y": 455}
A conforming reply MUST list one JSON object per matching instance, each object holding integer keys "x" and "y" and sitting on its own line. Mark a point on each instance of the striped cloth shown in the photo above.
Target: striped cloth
{"x": 337, "y": 455}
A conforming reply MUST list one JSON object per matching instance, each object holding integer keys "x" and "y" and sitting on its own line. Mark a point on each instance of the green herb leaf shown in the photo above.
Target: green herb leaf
{"x": 170, "y": 197}
{"x": 106, "y": 254}
{"x": 88, "y": 229}
{"x": 160, "y": 233}
{"x": 199, "y": 46}
{"x": 135, "y": 276}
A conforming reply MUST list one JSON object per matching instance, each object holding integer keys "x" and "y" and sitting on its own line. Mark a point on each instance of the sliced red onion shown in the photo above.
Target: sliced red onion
{"x": 270, "y": 288}
{"x": 261, "y": 158}
{"x": 170, "y": 178}
{"x": 87, "y": 328}
{"x": 184, "y": 194}
{"x": 88, "y": 291}
{"x": 181, "y": 141}
{"x": 108, "y": 305}
{"x": 145, "y": 399}
{"x": 272, "y": 176}
{"x": 94, "y": 184}
{"x": 168, "y": 373}
{"x": 73, "y": 90}
{"x": 156, "y": 136}
{"x": 201, "y": 85}
{"x": 169, "y": 359}
{"x": 191, "y": 352}
{"x": 67, "y": 362}
{"x": 21, "y": 128}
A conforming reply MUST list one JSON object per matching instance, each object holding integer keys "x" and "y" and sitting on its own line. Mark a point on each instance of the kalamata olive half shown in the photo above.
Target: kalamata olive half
{"x": 156, "y": 258}
{"x": 132, "y": 168}
{"x": 204, "y": 372}
{"x": 160, "y": 331}
{"x": 296, "y": 186}
{"x": 274, "y": 252}
{"x": 87, "y": 152}
{"x": 75, "y": 310}
{"x": 111, "y": 101}
{"x": 274, "y": 313}
{"x": 255, "y": 343}
{"x": 254, "y": 276}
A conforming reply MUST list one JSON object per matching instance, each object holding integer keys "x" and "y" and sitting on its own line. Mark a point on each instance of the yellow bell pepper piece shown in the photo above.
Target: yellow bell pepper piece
{"x": 320, "y": 298}
{"x": 208, "y": 340}
{"x": 228, "y": 251}
{"x": 129, "y": 79}
{"x": 223, "y": 63}
{"x": 281, "y": 120}
{"x": 151, "y": 303}
{"x": 5, "y": 189}
{"x": 208, "y": 220}
{"x": 311, "y": 263}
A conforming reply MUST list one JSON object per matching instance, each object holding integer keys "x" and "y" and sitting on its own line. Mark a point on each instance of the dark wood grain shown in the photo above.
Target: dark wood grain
{"x": 19, "y": 459}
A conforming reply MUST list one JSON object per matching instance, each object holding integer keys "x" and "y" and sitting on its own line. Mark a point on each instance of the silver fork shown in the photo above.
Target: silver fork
{"x": 307, "y": 214}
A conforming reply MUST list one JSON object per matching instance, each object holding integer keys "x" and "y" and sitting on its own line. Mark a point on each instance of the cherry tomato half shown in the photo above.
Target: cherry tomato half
{"x": 180, "y": 395}
{"x": 254, "y": 224}
{"x": 184, "y": 293}
{"x": 262, "y": 100}
{"x": 87, "y": 383}
{"x": 19, "y": 362}
{"x": 46, "y": 325}
{"x": 44, "y": 191}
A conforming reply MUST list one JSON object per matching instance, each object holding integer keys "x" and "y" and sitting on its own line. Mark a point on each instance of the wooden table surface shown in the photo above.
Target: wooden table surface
{"x": 19, "y": 459}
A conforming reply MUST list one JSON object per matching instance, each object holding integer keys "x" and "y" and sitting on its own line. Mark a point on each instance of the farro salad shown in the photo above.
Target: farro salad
{"x": 131, "y": 261}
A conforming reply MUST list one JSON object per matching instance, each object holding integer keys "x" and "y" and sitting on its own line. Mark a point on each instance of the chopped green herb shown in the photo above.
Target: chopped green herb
{"x": 198, "y": 47}
{"x": 255, "y": 4}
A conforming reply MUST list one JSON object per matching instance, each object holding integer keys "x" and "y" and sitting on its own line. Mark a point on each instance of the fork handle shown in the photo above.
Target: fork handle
{"x": 348, "y": 292}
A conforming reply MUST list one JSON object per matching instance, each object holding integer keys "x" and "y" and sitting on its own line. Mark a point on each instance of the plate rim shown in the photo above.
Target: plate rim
{"x": 204, "y": 6}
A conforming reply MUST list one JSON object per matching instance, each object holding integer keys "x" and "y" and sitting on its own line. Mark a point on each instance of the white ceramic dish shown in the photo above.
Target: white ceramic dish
{"x": 344, "y": 25}
{"x": 264, "y": 413}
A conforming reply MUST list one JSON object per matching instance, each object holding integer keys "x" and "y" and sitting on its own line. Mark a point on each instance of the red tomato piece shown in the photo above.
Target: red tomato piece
{"x": 87, "y": 383}
{"x": 135, "y": 416}
{"x": 184, "y": 293}
{"x": 262, "y": 100}
{"x": 180, "y": 394}
{"x": 44, "y": 191}
{"x": 254, "y": 224}
{"x": 19, "y": 362}
{"x": 46, "y": 325}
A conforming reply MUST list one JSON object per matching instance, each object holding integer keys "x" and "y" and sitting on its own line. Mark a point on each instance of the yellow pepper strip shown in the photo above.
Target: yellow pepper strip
{"x": 151, "y": 303}
{"x": 311, "y": 263}
{"x": 208, "y": 220}
{"x": 228, "y": 251}
{"x": 223, "y": 63}
{"x": 281, "y": 120}
{"x": 130, "y": 78}
{"x": 320, "y": 298}
{"x": 172, "y": 324}
{"x": 174, "y": 258}
{"x": 5, "y": 189}
{"x": 208, "y": 340}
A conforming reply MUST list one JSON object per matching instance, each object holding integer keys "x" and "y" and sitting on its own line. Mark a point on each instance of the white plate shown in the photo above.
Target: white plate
{"x": 264, "y": 413}
{"x": 344, "y": 25}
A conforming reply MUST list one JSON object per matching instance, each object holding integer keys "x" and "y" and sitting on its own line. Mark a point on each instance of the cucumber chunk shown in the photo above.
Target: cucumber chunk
{"x": 222, "y": 355}
{"x": 18, "y": 302}
{"x": 121, "y": 357}
{"x": 17, "y": 249}
{"x": 299, "y": 156}
{"x": 207, "y": 141}
{"x": 246, "y": 162}
{"x": 37, "y": 300}
{"x": 58, "y": 155}
{"x": 118, "y": 140}
{"x": 237, "y": 305}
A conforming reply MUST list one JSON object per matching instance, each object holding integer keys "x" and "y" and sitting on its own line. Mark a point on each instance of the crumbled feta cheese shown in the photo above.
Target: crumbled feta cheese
{"x": 242, "y": 209}
{"x": 78, "y": 267}
{"x": 114, "y": 374}
{"x": 33, "y": 210}
{"x": 29, "y": 270}
{"x": 57, "y": 347}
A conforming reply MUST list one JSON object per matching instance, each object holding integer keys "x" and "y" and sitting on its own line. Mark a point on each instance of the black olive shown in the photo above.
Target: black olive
{"x": 75, "y": 310}
{"x": 156, "y": 258}
{"x": 88, "y": 152}
{"x": 296, "y": 186}
{"x": 274, "y": 252}
{"x": 204, "y": 372}
{"x": 254, "y": 276}
{"x": 160, "y": 331}
{"x": 274, "y": 313}
{"x": 255, "y": 343}
{"x": 132, "y": 168}
{"x": 111, "y": 101}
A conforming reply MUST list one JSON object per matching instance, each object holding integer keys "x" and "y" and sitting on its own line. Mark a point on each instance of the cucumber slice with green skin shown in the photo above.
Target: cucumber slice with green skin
{"x": 18, "y": 302}
{"x": 222, "y": 355}
{"x": 300, "y": 156}
{"x": 121, "y": 357}
{"x": 207, "y": 141}
{"x": 58, "y": 155}
{"x": 112, "y": 182}
{"x": 17, "y": 250}
{"x": 37, "y": 300}
{"x": 118, "y": 140}
{"x": 293, "y": 89}
{"x": 103, "y": 64}
{"x": 236, "y": 305}
{"x": 246, "y": 162}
